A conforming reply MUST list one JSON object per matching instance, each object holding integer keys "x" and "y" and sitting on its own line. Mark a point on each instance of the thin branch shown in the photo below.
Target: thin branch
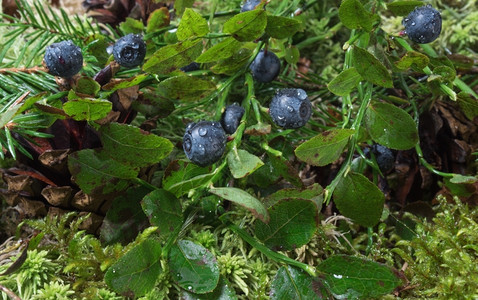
{"x": 31, "y": 70}
{"x": 9, "y": 293}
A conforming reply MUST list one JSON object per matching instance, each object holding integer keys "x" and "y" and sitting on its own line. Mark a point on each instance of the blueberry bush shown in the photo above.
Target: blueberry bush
{"x": 230, "y": 150}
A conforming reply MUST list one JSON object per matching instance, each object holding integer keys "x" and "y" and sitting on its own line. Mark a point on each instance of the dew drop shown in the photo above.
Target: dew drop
{"x": 201, "y": 149}
{"x": 202, "y": 131}
{"x": 301, "y": 94}
{"x": 190, "y": 287}
{"x": 290, "y": 109}
{"x": 413, "y": 23}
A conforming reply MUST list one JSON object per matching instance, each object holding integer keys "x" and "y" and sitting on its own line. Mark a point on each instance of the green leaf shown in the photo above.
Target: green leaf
{"x": 130, "y": 145}
{"x": 468, "y": 105}
{"x": 87, "y": 109}
{"x": 244, "y": 199}
{"x": 286, "y": 170}
{"x": 292, "y": 224}
{"x": 391, "y": 126}
{"x": 192, "y": 25}
{"x": 324, "y": 148}
{"x": 157, "y": 19}
{"x": 136, "y": 272}
{"x": 234, "y": 63}
{"x": 115, "y": 85}
{"x": 180, "y": 177}
{"x": 282, "y": 27}
{"x": 193, "y": 267}
{"x": 292, "y": 55}
{"x": 292, "y": 283}
{"x": 221, "y": 50}
{"x": 370, "y": 68}
{"x": 413, "y": 58}
{"x": 223, "y": 291}
{"x": 172, "y": 57}
{"x": 96, "y": 173}
{"x": 242, "y": 163}
{"x": 247, "y": 26}
{"x": 185, "y": 88}
{"x": 354, "y": 16}
{"x": 131, "y": 25}
{"x": 164, "y": 211}
{"x": 349, "y": 277}
{"x": 313, "y": 193}
{"x": 359, "y": 199}
{"x": 181, "y": 5}
{"x": 403, "y": 8}
{"x": 88, "y": 86}
{"x": 345, "y": 82}
{"x": 125, "y": 219}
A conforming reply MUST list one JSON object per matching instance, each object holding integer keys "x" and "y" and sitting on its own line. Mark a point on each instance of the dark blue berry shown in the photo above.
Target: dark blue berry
{"x": 265, "y": 67}
{"x": 194, "y": 66}
{"x": 290, "y": 108}
{"x": 204, "y": 142}
{"x": 250, "y": 5}
{"x": 129, "y": 51}
{"x": 383, "y": 156}
{"x": 63, "y": 59}
{"x": 231, "y": 117}
{"x": 423, "y": 24}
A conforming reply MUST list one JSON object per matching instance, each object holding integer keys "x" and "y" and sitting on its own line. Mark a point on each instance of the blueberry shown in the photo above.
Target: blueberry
{"x": 423, "y": 24}
{"x": 383, "y": 156}
{"x": 204, "y": 142}
{"x": 63, "y": 59}
{"x": 191, "y": 67}
{"x": 250, "y": 5}
{"x": 231, "y": 117}
{"x": 265, "y": 67}
{"x": 290, "y": 108}
{"x": 129, "y": 51}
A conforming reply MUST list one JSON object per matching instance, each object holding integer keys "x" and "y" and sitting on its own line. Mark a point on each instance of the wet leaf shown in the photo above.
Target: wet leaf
{"x": 130, "y": 145}
{"x": 324, "y": 148}
{"x": 193, "y": 267}
{"x": 370, "y": 68}
{"x": 242, "y": 163}
{"x": 282, "y": 27}
{"x": 180, "y": 177}
{"x": 247, "y": 26}
{"x": 350, "y": 277}
{"x": 223, "y": 291}
{"x": 221, "y": 50}
{"x": 244, "y": 199}
{"x": 292, "y": 283}
{"x": 359, "y": 199}
{"x": 234, "y": 63}
{"x": 345, "y": 82}
{"x": 354, "y": 16}
{"x": 313, "y": 193}
{"x": 286, "y": 170}
{"x": 164, "y": 211}
{"x": 391, "y": 126}
{"x": 413, "y": 58}
{"x": 136, "y": 272}
{"x": 87, "y": 109}
{"x": 87, "y": 85}
{"x": 172, "y": 57}
{"x": 292, "y": 224}
{"x": 185, "y": 88}
{"x": 192, "y": 25}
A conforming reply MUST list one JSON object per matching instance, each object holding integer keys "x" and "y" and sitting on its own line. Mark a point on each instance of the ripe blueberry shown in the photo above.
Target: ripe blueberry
{"x": 63, "y": 59}
{"x": 423, "y": 24}
{"x": 194, "y": 66}
{"x": 265, "y": 67}
{"x": 231, "y": 117}
{"x": 250, "y": 5}
{"x": 290, "y": 108}
{"x": 383, "y": 155}
{"x": 204, "y": 142}
{"x": 129, "y": 51}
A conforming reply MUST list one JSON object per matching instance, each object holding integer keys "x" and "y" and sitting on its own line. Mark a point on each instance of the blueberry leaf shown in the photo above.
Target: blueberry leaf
{"x": 242, "y": 163}
{"x": 117, "y": 84}
{"x": 292, "y": 283}
{"x": 359, "y": 199}
{"x": 185, "y": 88}
{"x": 468, "y": 105}
{"x": 157, "y": 19}
{"x": 286, "y": 170}
{"x": 391, "y": 126}
{"x": 221, "y": 50}
{"x": 136, "y": 272}
{"x": 87, "y": 85}
{"x": 172, "y": 57}
{"x": 223, "y": 291}
{"x": 292, "y": 224}
{"x": 163, "y": 210}
{"x": 180, "y": 177}
{"x": 181, "y": 5}
{"x": 234, "y": 63}
{"x": 282, "y": 27}
{"x": 350, "y": 277}
{"x": 354, "y": 16}
{"x": 130, "y": 145}
{"x": 370, "y": 68}
{"x": 247, "y": 26}
{"x": 345, "y": 82}
{"x": 313, "y": 193}
{"x": 192, "y": 25}
{"x": 86, "y": 109}
{"x": 403, "y": 8}
{"x": 244, "y": 199}
{"x": 413, "y": 58}
{"x": 324, "y": 148}
{"x": 193, "y": 267}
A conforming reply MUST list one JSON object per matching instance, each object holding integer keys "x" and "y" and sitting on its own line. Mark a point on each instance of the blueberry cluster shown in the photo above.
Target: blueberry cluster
{"x": 265, "y": 67}
{"x": 423, "y": 24}
{"x": 129, "y": 51}
{"x": 290, "y": 108}
{"x": 63, "y": 59}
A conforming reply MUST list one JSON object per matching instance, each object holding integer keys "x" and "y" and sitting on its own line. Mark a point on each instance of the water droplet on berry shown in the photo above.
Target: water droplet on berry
{"x": 290, "y": 109}
{"x": 301, "y": 94}
{"x": 202, "y": 131}
{"x": 201, "y": 149}
{"x": 406, "y": 20}
{"x": 413, "y": 23}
